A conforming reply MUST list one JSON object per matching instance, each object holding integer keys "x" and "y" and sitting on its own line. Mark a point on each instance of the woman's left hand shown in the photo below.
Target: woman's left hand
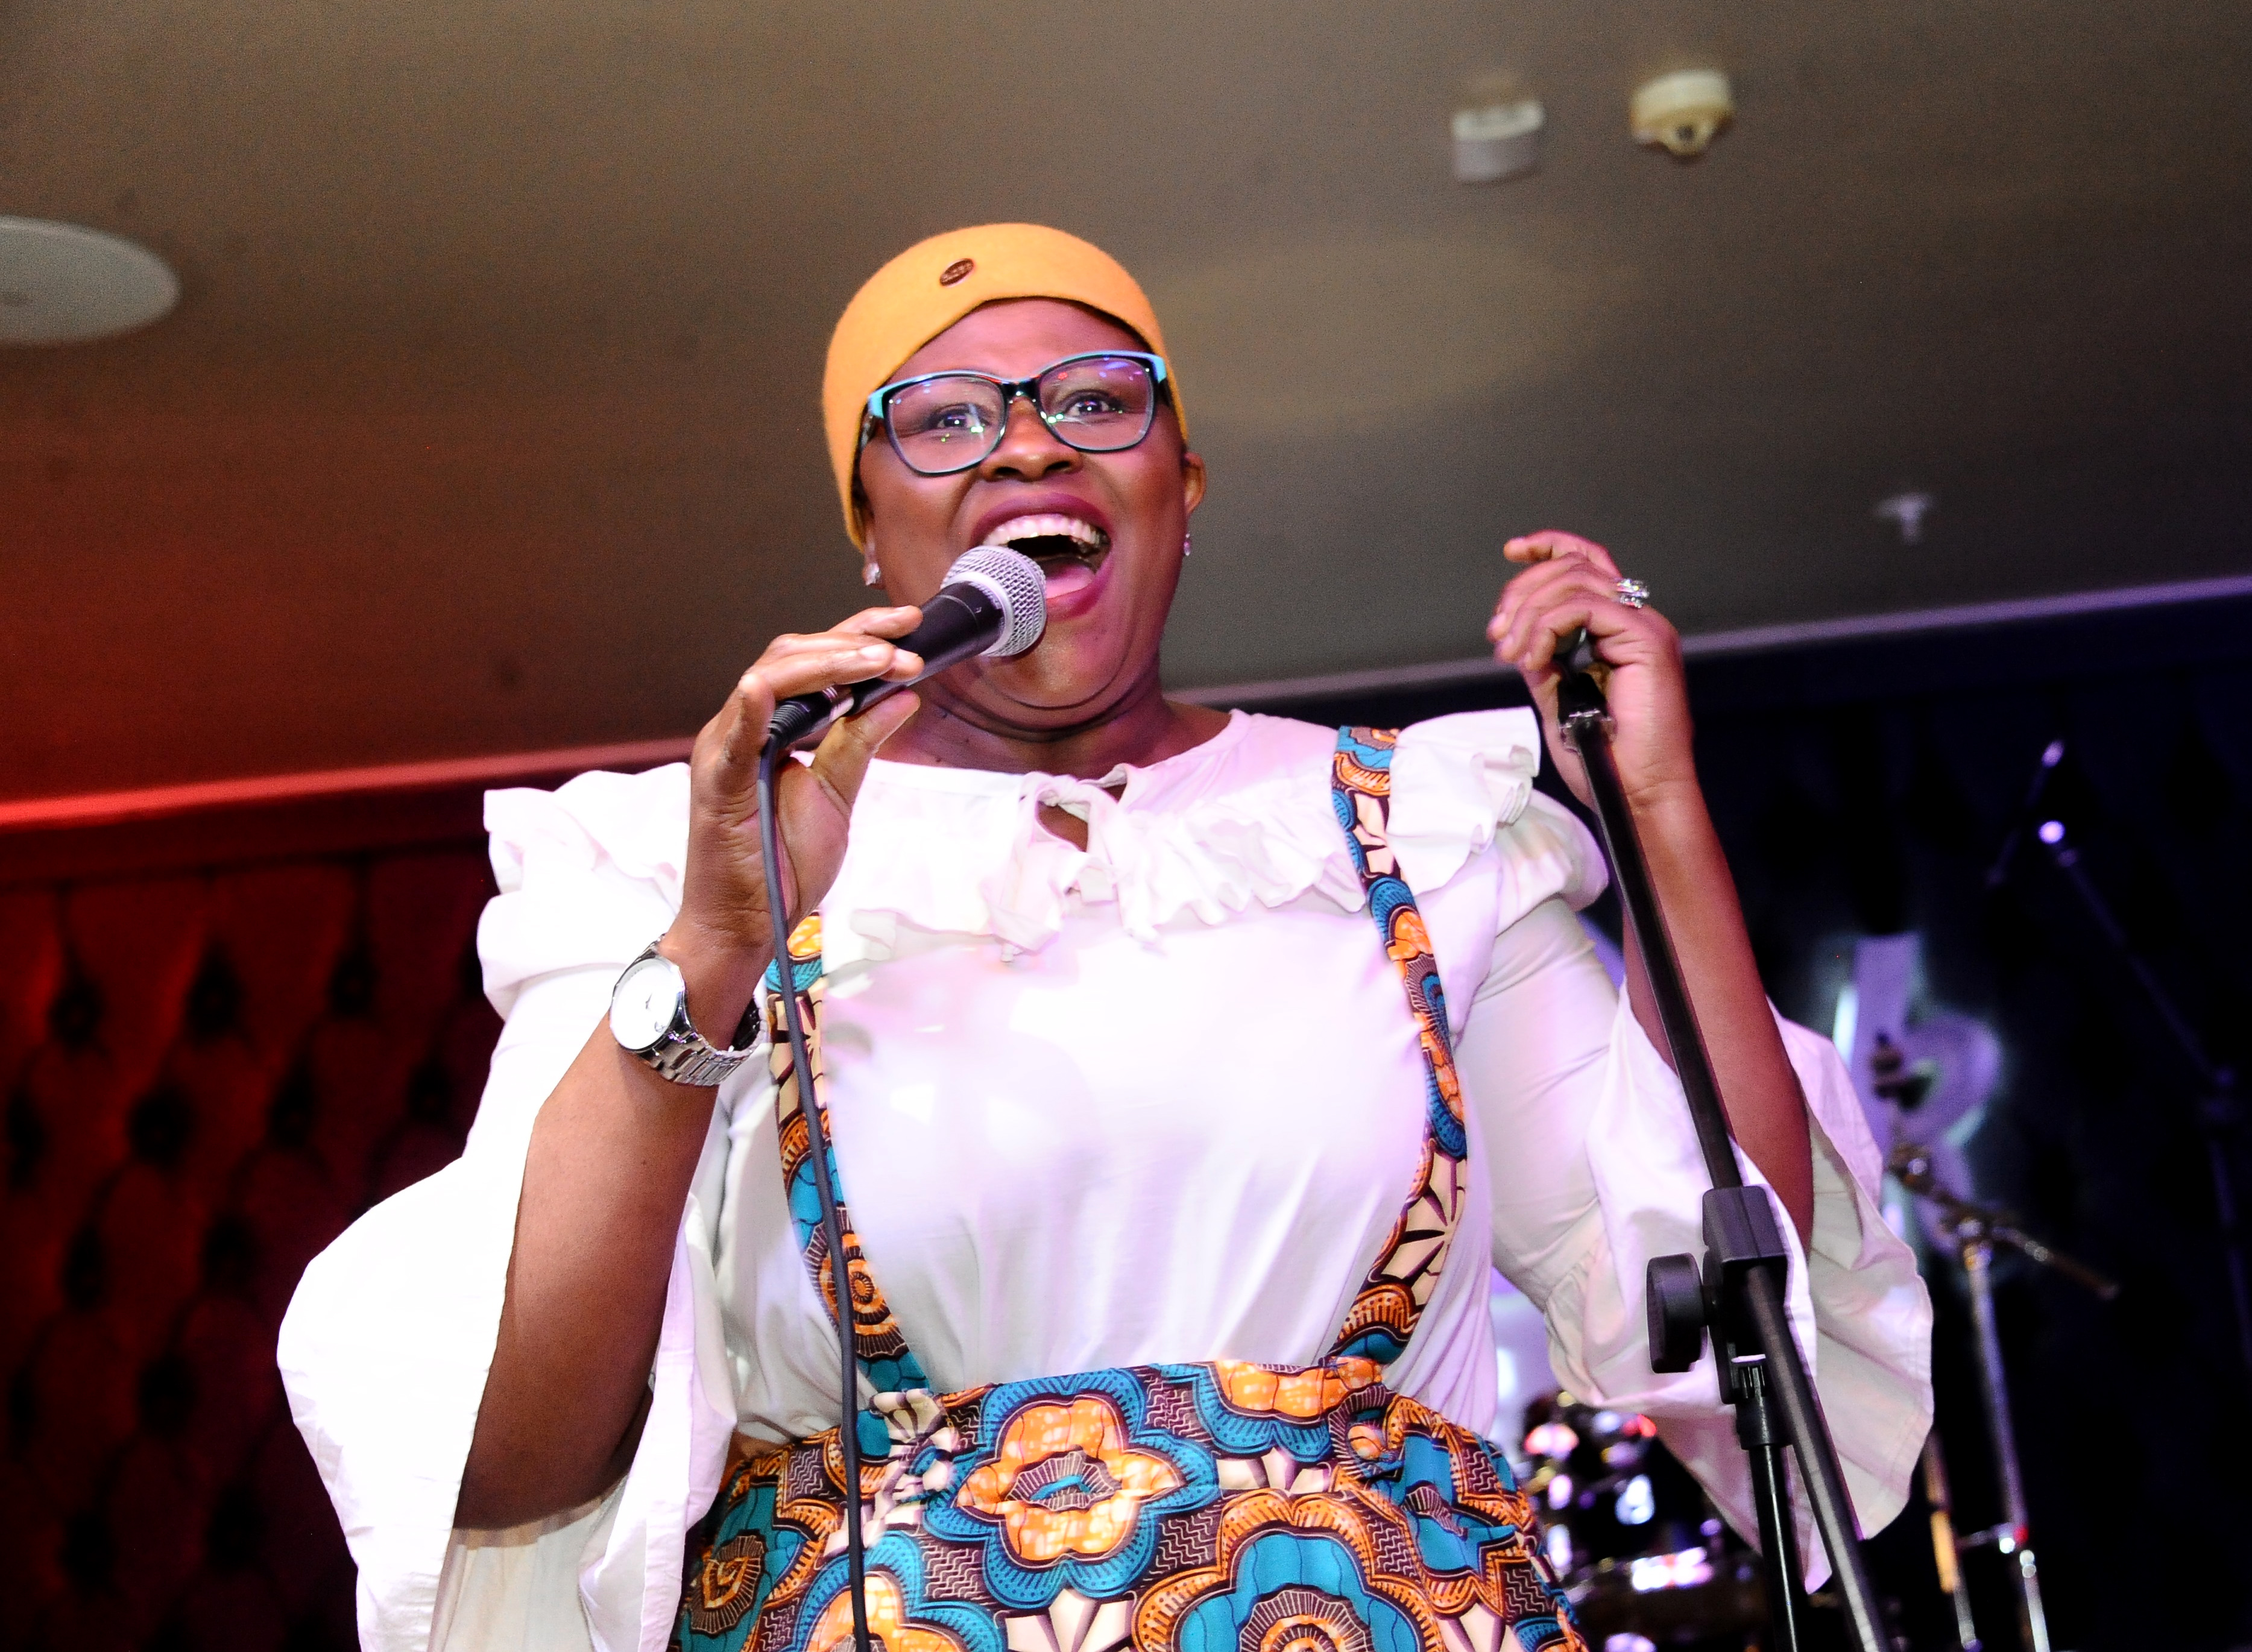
{"x": 1572, "y": 582}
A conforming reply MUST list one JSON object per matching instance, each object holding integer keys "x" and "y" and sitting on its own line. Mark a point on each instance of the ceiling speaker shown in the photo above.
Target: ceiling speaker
{"x": 61, "y": 283}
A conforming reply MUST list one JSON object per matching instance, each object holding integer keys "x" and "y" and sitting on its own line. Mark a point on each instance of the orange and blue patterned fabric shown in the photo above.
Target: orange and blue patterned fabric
{"x": 1215, "y": 1507}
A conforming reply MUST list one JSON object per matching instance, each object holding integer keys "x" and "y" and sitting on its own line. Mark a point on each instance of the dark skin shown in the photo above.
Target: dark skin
{"x": 615, "y": 1147}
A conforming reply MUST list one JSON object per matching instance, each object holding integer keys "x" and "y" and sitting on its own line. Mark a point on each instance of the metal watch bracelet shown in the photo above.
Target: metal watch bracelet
{"x": 681, "y": 1054}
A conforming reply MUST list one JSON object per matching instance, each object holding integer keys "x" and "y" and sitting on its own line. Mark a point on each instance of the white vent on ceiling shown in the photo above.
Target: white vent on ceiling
{"x": 1498, "y": 141}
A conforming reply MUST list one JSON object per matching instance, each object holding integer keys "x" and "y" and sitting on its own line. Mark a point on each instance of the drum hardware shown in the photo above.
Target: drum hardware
{"x": 1946, "y": 1549}
{"x": 1642, "y": 1556}
{"x": 1977, "y": 1229}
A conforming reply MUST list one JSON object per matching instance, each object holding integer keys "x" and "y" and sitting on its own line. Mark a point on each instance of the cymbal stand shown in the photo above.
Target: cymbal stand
{"x": 1738, "y": 1294}
{"x": 1977, "y": 1229}
{"x": 1946, "y": 1550}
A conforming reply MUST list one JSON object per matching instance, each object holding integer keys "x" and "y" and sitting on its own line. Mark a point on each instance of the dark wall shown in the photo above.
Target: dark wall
{"x": 1864, "y": 789}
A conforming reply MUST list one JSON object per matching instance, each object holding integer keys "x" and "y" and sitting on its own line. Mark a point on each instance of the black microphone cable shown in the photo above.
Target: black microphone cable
{"x": 994, "y": 601}
{"x": 832, "y": 1225}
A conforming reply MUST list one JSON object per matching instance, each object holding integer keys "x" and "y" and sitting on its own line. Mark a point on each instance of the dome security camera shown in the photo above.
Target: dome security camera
{"x": 1682, "y": 113}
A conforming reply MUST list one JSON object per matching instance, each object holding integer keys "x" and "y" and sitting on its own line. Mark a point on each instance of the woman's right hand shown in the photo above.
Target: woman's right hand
{"x": 723, "y": 937}
{"x": 609, "y": 1161}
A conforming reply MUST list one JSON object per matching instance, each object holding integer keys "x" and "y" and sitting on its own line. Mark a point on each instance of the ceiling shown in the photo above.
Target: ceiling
{"x": 486, "y": 420}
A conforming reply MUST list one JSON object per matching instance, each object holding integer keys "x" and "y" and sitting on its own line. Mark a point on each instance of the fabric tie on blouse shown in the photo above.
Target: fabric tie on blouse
{"x": 1210, "y": 861}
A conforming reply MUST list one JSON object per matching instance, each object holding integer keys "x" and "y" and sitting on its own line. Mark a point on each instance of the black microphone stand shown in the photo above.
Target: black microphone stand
{"x": 1739, "y": 1293}
{"x": 2220, "y": 1112}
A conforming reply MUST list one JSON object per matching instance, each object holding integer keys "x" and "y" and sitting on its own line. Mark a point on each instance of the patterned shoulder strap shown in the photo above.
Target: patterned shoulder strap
{"x": 886, "y": 1360}
{"x": 1391, "y": 1299}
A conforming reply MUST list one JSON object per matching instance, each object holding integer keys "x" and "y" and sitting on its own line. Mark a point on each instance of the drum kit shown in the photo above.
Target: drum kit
{"x": 1644, "y": 1558}
{"x": 1646, "y": 1562}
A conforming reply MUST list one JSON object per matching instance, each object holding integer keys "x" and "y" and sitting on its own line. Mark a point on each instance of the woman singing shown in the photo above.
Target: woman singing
{"x": 1185, "y": 1074}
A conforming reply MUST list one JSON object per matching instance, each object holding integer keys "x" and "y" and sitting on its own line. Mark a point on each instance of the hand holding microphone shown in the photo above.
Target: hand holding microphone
{"x": 841, "y": 687}
{"x": 994, "y": 602}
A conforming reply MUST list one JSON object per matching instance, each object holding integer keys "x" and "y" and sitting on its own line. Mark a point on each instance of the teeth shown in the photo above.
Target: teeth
{"x": 1049, "y": 525}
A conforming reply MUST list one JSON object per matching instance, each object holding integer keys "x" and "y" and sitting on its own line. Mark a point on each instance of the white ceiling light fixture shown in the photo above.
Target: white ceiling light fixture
{"x": 64, "y": 284}
{"x": 1682, "y": 113}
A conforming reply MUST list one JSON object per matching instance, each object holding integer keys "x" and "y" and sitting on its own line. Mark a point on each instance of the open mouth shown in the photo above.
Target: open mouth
{"x": 1068, "y": 550}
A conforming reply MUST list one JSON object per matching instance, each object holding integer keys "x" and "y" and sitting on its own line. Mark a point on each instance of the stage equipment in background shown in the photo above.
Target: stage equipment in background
{"x": 1976, "y": 1230}
{"x": 1739, "y": 1292}
{"x": 1927, "y": 1080}
{"x": 2218, "y": 1112}
{"x": 64, "y": 284}
{"x": 1946, "y": 1553}
{"x": 1682, "y": 113}
{"x": 1642, "y": 1554}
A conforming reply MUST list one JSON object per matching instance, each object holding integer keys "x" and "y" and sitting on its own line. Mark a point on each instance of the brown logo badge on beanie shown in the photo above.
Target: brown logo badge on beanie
{"x": 958, "y": 270}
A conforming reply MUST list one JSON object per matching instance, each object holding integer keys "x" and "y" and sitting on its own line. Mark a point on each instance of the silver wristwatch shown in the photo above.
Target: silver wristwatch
{"x": 648, "y": 1017}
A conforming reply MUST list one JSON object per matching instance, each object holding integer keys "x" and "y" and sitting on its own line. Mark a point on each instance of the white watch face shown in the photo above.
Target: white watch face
{"x": 642, "y": 1008}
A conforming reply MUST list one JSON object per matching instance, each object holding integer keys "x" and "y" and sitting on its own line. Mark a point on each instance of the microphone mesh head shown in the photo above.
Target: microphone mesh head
{"x": 1015, "y": 581}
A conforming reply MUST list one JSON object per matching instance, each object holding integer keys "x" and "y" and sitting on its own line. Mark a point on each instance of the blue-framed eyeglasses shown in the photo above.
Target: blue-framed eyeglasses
{"x": 1104, "y": 401}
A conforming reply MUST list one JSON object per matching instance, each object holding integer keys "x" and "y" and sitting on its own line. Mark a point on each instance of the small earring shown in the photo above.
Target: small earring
{"x": 871, "y": 574}
{"x": 1186, "y": 541}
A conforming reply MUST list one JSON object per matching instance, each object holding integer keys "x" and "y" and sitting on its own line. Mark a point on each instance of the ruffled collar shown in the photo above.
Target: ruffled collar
{"x": 1242, "y": 819}
{"x": 1245, "y": 819}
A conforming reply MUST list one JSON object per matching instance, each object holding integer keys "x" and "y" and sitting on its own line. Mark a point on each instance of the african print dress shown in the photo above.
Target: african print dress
{"x": 1213, "y": 1507}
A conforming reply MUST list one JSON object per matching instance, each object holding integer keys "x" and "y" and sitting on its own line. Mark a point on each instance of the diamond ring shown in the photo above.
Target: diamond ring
{"x": 1633, "y": 592}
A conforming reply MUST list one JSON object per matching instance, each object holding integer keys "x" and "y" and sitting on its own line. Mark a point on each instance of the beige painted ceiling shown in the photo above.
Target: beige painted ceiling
{"x": 486, "y": 420}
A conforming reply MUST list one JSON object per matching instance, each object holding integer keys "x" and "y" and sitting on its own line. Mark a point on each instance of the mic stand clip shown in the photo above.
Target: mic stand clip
{"x": 1977, "y": 1229}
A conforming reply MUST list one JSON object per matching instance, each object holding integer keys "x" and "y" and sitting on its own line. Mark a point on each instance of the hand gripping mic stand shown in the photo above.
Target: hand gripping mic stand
{"x": 1739, "y": 1293}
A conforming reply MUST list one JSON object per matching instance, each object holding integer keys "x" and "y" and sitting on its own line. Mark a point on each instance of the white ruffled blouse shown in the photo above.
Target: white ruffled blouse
{"x": 1158, "y": 1098}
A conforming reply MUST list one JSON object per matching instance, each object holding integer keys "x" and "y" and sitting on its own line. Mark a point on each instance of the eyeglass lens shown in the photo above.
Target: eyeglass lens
{"x": 1097, "y": 404}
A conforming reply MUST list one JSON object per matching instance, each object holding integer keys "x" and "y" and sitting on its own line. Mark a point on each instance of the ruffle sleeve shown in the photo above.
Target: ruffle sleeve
{"x": 1581, "y": 1139}
{"x": 1462, "y": 784}
{"x": 1858, "y": 1305}
{"x": 588, "y": 875}
{"x": 387, "y": 1341}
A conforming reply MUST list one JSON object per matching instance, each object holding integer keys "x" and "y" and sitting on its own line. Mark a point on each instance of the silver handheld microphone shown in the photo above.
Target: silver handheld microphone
{"x": 994, "y": 602}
